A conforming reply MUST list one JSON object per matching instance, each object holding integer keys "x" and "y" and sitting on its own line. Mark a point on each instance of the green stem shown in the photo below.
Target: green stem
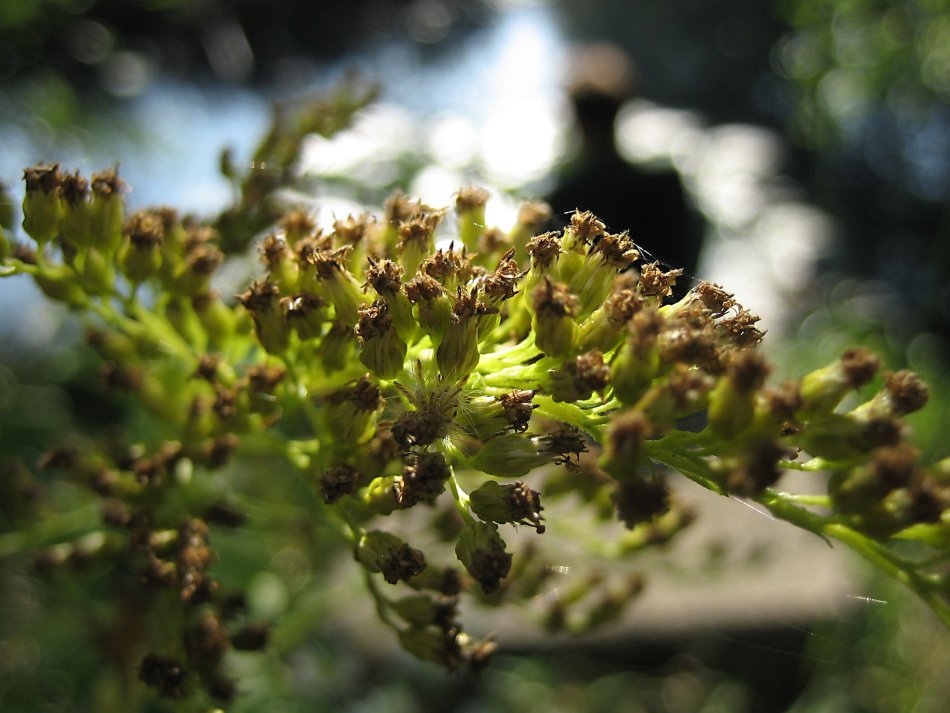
{"x": 572, "y": 415}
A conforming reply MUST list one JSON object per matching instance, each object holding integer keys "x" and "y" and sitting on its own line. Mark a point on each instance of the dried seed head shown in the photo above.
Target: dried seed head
{"x": 555, "y": 299}
{"x": 859, "y": 366}
{"x": 339, "y": 481}
{"x": 617, "y": 250}
{"x": 544, "y": 249}
{"x": 906, "y": 391}
{"x": 470, "y": 198}
{"x": 43, "y": 178}
{"x": 656, "y": 283}
{"x": 747, "y": 370}
{"x": 384, "y": 276}
{"x": 714, "y": 298}
{"x": 586, "y": 226}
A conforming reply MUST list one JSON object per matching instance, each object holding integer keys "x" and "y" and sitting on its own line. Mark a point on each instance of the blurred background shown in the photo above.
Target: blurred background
{"x": 795, "y": 151}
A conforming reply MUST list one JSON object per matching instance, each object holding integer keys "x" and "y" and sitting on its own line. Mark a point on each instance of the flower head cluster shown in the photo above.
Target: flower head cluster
{"x": 396, "y": 375}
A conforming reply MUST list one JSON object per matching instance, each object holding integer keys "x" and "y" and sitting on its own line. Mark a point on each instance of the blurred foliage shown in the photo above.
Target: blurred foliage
{"x": 851, "y": 58}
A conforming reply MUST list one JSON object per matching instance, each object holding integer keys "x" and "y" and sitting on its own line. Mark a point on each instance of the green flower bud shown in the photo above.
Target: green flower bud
{"x": 532, "y": 216}
{"x": 261, "y": 300}
{"x": 433, "y": 644}
{"x": 217, "y": 319}
{"x": 604, "y": 328}
{"x": 383, "y": 552}
{"x": 488, "y": 416}
{"x": 457, "y": 355}
{"x": 862, "y": 488}
{"x": 423, "y": 480}
{"x": 732, "y": 401}
{"x": 579, "y": 378}
{"x": 605, "y": 260}
{"x": 822, "y": 390}
{"x": 623, "y": 455}
{"x": 338, "y": 284}
{"x": 385, "y": 276}
{"x": 470, "y": 208}
{"x": 381, "y": 349}
{"x": 481, "y": 551}
{"x": 423, "y": 610}
{"x": 76, "y": 224}
{"x": 417, "y": 239}
{"x": 380, "y": 495}
{"x": 339, "y": 481}
{"x": 433, "y": 306}
{"x": 97, "y": 272}
{"x": 638, "y": 360}
{"x": 509, "y": 455}
{"x": 553, "y": 320}
{"x": 584, "y": 230}
{"x": 640, "y": 500}
{"x": 336, "y": 347}
{"x": 262, "y": 381}
{"x": 141, "y": 257}
{"x": 282, "y": 268}
{"x": 350, "y": 414}
{"x": 107, "y": 211}
{"x": 43, "y": 202}
{"x": 512, "y": 503}
{"x": 7, "y": 212}
{"x": 306, "y": 314}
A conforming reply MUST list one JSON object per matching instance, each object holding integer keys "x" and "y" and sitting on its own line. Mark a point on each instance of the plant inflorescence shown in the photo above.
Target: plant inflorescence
{"x": 454, "y": 381}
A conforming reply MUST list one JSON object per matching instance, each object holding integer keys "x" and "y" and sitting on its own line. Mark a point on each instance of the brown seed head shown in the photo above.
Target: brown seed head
{"x": 555, "y": 299}
{"x": 587, "y": 226}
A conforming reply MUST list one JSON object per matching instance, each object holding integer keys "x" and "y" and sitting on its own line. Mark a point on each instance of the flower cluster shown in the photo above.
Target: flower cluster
{"x": 400, "y": 364}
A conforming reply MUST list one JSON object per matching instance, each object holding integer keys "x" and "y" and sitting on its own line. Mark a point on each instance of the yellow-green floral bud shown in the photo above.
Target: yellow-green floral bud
{"x": 339, "y": 481}
{"x": 107, "y": 211}
{"x": 262, "y": 301}
{"x": 509, "y": 455}
{"x": 262, "y": 381}
{"x": 433, "y": 644}
{"x": 481, "y": 551}
{"x": 604, "y": 328}
{"x": 904, "y": 392}
{"x": 822, "y": 390}
{"x": 732, "y": 401}
{"x": 606, "y": 258}
{"x": 380, "y": 495}
{"x": 383, "y": 552}
{"x": 141, "y": 255}
{"x": 350, "y": 414}
{"x": 641, "y": 499}
{"x": 862, "y": 488}
{"x": 579, "y": 378}
{"x": 337, "y": 347}
{"x": 76, "y": 225}
{"x": 7, "y": 212}
{"x": 425, "y": 610}
{"x": 306, "y": 313}
{"x": 457, "y": 354}
{"x": 417, "y": 239}
{"x": 583, "y": 231}
{"x": 637, "y": 361}
{"x": 338, "y": 284}
{"x": 470, "y": 209}
{"x": 433, "y": 306}
{"x": 553, "y": 320}
{"x": 217, "y": 319}
{"x": 97, "y": 272}
{"x": 381, "y": 349}
{"x": 282, "y": 268}
{"x": 623, "y": 455}
{"x": 532, "y": 216}
{"x": 385, "y": 276}
{"x": 423, "y": 480}
{"x": 43, "y": 202}
{"x": 512, "y": 503}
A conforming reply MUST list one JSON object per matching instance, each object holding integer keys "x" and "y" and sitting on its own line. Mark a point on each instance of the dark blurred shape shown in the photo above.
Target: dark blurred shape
{"x": 650, "y": 203}
{"x": 233, "y": 40}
